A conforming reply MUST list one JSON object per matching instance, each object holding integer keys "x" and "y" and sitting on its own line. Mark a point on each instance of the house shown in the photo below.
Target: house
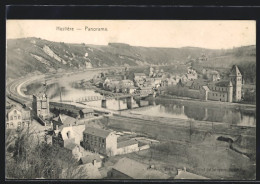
{"x": 138, "y": 76}
{"x": 127, "y": 168}
{"x": 183, "y": 174}
{"x": 127, "y": 146}
{"x": 17, "y": 117}
{"x": 213, "y": 75}
{"x": 86, "y": 113}
{"x": 145, "y": 90}
{"x": 198, "y": 83}
{"x": 131, "y": 90}
{"x": 100, "y": 140}
{"x": 94, "y": 159}
{"x": 67, "y": 135}
{"x": 75, "y": 150}
{"x": 62, "y": 121}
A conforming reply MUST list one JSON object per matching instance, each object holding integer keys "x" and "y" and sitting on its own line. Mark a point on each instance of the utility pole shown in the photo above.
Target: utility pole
{"x": 60, "y": 96}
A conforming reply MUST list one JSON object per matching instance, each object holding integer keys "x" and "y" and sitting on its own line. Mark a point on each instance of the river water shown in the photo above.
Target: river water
{"x": 161, "y": 108}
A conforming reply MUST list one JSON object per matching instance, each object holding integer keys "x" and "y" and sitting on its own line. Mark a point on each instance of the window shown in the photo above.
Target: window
{"x": 15, "y": 117}
{"x": 103, "y": 140}
{"x": 15, "y": 112}
{"x": 11, "y": 118}
{"x": 19, "y": 117}
{"x": 223, "y": 95}
{"x": 19, "y": 123}
{"x": 7, "y": 125}
{"x": 212, "y": 94}
{"x": 216, "y": 94}
{"x": 11, "y": 124}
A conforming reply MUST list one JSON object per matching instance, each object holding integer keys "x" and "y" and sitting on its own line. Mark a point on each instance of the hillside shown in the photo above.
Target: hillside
{"x": 28, "y": 55}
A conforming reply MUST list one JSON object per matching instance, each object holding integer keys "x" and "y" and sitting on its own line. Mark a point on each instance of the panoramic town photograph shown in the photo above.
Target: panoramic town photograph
{"x": 130, "y": 99}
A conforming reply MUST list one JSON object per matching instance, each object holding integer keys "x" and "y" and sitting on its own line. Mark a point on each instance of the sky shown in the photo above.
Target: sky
{"x": 213, "y": 34}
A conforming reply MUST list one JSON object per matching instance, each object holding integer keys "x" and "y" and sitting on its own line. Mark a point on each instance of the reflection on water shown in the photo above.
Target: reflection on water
{"x": 174, "y": 110}
{"x": 162, "y": 108}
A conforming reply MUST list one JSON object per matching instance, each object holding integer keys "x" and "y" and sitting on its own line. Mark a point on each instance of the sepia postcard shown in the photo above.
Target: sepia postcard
{"x": 130, "y": 99}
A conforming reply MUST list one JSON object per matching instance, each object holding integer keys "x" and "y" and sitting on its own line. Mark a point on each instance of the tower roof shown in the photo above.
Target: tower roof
{"x": 235, "y": 71}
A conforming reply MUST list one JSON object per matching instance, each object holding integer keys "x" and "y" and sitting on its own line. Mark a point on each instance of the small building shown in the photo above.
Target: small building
{"x": 67, "y": 135}
{"x": 127, "y": 168}
{"x": 75, "y": 150}
{"x": 198, "y": 83}
{"x": 131, "y": 89}
{"x": 94, "y": 159}
{"x": 62, "y": 121}
{"x": 127, "y": 146}
{"x": 86, "y": 113}
{"x": 100, "y": 140}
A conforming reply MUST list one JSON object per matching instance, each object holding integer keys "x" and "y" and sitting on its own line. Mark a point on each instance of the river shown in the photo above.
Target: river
{"x": 159, "y": 108}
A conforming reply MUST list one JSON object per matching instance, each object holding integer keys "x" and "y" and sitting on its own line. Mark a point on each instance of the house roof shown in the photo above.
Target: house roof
{"x": 137, "y": 170}
{"x": 139, "y": 74}
{"x": 200, "y": 82}
{"x": 188, "y": 175}
{"x": 206, "y": 88}
{"x": 71, "y": 146}
{"x": 223, "y": 83}
{"x": 235, "y": 71}
{"x": 89, "y": 158}
{"x": 97, "y": 132}
{"x": 189, "y": 83}
{"x": 66, "y": 119}
{"x": 87, "y": 110}
{"x": 126, "y": 143}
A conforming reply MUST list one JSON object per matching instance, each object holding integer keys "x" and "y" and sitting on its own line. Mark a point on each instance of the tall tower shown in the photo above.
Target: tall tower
{"x": 236, "y": 79}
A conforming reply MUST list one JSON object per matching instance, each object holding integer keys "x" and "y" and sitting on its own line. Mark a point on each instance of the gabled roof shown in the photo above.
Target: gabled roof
{"x": 137, "y": 170}
{"x": 223, "y": 83}
{"x": 205, "y": 88}
{"x": 97, "y": 132}
{"x": 64, "y": 119}
{"x": 235, "y": 71}
{"x": 87, "y": 110}
{"x": 126, "y": 143}
{"x": 188, "y": 175}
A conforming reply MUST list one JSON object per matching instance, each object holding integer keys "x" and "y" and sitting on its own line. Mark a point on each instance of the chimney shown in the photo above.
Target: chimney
{"x": 94, "y": 162}
{"x": 151, "y": 166}
{"x": 184, "y": 169}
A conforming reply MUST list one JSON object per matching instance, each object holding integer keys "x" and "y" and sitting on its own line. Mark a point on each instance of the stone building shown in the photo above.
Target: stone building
{"x": 100, "y": 140}
{"x": 40, "y": 105}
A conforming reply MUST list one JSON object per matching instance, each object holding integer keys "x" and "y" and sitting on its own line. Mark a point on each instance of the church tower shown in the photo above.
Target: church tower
{"x": 236, "y": 79}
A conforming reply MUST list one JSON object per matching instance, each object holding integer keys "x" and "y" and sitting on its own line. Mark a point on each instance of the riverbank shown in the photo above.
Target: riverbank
{"x": 218, "y": 104}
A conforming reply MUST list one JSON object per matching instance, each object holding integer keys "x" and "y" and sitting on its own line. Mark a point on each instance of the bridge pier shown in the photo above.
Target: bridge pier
{"x": 129, "y": 101}
{"x": 104, "y": 103}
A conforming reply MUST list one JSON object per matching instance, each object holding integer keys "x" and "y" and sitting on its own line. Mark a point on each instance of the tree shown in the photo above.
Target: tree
{"x": 31, "y": 158}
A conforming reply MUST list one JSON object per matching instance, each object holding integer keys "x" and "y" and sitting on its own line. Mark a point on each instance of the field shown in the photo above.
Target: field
{"x": 199, "y": 151}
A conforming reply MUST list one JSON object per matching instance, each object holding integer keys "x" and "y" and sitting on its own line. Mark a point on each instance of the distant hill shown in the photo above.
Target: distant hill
{"x": 28, "y": 55}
